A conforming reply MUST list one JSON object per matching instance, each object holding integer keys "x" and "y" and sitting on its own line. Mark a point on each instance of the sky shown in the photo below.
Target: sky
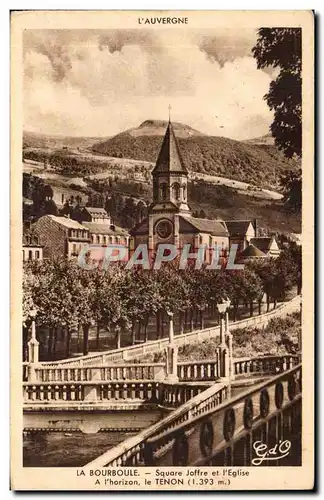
{"x": 102, "y": 82}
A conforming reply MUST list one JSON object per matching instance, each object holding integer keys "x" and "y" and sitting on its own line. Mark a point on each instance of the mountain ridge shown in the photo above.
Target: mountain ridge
{"x": 260, "y": 164}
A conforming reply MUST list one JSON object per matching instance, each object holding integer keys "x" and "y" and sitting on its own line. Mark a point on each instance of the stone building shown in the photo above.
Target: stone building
{"x": 66, "y": 237}
{"x": 61, "y": 236}
{"x": 241, "y": 232}
{"x": 31, "y": 247}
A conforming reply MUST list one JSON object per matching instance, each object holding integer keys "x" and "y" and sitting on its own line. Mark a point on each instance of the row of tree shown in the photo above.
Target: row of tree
{"x": 71, "y": 298}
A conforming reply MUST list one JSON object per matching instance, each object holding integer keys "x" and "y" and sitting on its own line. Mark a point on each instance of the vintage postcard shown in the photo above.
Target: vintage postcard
{"x": 162, "y": 197}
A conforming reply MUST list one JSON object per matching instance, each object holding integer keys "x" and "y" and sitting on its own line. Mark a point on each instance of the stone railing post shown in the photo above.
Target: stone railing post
{"x": 90, "y": 391}
{"x": 33, "y": 354}
{"x": 171, "y": 355}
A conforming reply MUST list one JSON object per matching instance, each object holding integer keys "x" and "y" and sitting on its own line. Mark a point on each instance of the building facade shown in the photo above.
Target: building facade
{"x": 31, "y": 247}
{"x": 66, "y": 237}
{"x": 61, "y": 236}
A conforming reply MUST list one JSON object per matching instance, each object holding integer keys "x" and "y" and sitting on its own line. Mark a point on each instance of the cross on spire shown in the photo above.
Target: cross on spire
{"x": 169, "y": 113}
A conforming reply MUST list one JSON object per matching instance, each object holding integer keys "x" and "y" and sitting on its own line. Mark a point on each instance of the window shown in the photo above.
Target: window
{"x": 164, "y": 190}
{"x": 98, "y": 238}
{"x": 176, "y": 191}
{"x": 37, "y": 254}
{"x": 74, "y": 249}
{"x": 93, "y": 238}
{"x": 105, "y": 240}
{"x": 184, "y": 187}
{"x": 23, "y": 254}
{"x": 30, "y": 255}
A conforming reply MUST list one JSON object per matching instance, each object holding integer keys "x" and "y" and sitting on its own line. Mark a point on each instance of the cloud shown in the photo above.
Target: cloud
{"x": 98, "y": 83}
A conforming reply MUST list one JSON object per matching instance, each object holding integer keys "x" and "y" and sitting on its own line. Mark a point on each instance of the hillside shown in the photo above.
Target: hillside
{"x": 34, "y": 140}
{"x": 264, "y": 139}
{"x": 258, "y": 164}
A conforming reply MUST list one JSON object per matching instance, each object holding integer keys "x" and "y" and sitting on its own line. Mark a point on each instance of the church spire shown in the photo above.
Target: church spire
{"x": 169, "y": 159}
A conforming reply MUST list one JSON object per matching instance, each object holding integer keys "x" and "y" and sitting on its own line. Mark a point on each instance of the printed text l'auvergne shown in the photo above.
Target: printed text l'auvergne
{"x": 163, "y": 20}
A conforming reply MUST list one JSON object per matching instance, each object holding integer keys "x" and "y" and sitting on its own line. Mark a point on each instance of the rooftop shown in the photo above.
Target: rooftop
{"x": 252, "y": 251}
{"x": 97, "y": 211}
{"x": 263, "y": 243}
{"x": 66, "y": 222}
{"x": 210, "y": 226}
{"x": 237, "y": 227}
{"x": 95, "y": 228}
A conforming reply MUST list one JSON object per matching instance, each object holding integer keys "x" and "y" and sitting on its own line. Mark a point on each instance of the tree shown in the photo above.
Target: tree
{"x": 281, "y": 48}
{"x": 291, "y": 184}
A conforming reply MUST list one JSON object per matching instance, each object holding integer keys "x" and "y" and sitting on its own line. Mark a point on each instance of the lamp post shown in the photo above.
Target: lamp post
{"x": 33, "y": 348}
{"x": 221, "y": 306}
{"x": 229, "y": 342}
{"x": 225, "y": 350}
{"x": 171, "y": 354}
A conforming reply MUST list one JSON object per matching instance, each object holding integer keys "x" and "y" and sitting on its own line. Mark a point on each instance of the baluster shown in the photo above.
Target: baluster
{"x": 33, "y": 393}
{"x": 64, "y": 392}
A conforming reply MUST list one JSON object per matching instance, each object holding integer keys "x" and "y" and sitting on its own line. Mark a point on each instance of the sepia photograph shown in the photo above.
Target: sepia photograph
{"x": 160, "y": 202}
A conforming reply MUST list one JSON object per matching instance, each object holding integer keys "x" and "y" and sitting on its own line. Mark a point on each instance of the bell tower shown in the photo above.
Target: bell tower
{"x": 170, "y": 186}
{"x": 170, "y": 177}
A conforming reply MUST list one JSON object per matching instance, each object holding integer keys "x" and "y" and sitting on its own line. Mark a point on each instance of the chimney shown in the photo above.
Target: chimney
{"x": 255, "y": 225}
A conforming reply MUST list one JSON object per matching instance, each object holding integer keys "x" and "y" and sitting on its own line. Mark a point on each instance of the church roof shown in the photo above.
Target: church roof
{"x": 237, "y": 227}
{"x": 213, "y": 227}
{"x": 252, "y": 251}
{"x": 187, "y": 224}
{"x": 169, "y": 159}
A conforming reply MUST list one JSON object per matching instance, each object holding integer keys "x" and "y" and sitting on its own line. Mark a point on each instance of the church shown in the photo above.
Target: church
{"x": 169, "y": 217}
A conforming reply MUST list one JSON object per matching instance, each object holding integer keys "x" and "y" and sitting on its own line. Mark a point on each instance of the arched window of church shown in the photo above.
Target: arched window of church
{"x": 176, "y": 191}
{"x": 184, "y": 187}
{"x": 155, "y": 191}
{"x": 163, "y": 188}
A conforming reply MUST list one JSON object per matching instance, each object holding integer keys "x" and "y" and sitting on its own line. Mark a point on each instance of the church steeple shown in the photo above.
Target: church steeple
{"x": 170, "y": 176}
{"x": 169, "y": 159}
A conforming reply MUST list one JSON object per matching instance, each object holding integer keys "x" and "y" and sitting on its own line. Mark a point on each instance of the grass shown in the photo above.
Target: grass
{"x": 280, "y": 337}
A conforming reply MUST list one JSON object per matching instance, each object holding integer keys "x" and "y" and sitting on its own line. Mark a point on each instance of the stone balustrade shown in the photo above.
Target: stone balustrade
{"x": 205, "y": 370}
{"x": 57, "y": 373}
{"x": 199, "y": 370}
{"x": 158, "y": 393}
{"x": 210, "y": 430}
{"x": 265, "y": 365}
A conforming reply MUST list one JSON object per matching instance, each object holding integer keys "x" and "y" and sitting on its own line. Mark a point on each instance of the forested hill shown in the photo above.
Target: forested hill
{"x": 258, "y": 164}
